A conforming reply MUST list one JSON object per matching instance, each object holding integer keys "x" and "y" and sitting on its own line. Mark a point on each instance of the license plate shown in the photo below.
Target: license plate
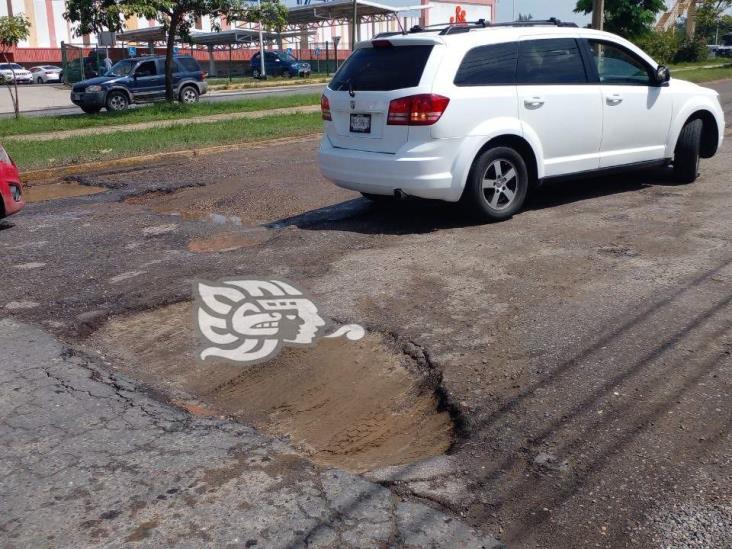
{"x": 361, "y": 123}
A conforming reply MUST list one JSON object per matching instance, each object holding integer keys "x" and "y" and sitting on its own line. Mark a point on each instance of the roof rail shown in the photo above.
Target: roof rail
{"x": 467, "y": 26}
{"x": 553, "y": 21}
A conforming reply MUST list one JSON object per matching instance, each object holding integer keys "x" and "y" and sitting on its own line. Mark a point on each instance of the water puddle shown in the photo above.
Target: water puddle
{"x": 355, "y": 405}
{"x": 55, "y": 191}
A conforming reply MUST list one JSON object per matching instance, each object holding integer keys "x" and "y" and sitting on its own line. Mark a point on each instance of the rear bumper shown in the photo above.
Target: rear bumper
{"x": 423, "y": 170}
{"x": 203, "y": 87}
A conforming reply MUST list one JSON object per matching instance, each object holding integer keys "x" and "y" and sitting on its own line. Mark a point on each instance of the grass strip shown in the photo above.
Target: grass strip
{"x": 242, "y": 84}
{"x": 61, "y": 152}
{"x": 704, "y": 75}
{"x": 151, "y": 113}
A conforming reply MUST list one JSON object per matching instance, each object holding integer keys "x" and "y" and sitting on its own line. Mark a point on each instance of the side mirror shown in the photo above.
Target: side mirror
{"x": 663, "y": 75}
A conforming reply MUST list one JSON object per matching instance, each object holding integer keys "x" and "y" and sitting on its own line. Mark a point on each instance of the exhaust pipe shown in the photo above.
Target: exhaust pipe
{"x": 400, "y": 194}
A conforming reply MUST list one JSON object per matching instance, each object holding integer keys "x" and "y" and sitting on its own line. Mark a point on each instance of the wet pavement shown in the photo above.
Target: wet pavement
{"x": 573, "y": 362}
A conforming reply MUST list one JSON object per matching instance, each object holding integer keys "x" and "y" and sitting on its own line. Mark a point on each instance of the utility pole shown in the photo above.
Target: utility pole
{"x": 353, "y": 26}
{"x": 598, "y": 12}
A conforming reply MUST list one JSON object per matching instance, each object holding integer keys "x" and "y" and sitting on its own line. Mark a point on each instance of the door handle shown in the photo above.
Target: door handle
{"x": 613, "y": 100}
{"x": 534, "y": 103}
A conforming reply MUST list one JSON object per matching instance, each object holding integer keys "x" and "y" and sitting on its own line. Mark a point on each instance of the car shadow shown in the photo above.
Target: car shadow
{"x": 417, "y": 216}
{"x": 5, "y": 225}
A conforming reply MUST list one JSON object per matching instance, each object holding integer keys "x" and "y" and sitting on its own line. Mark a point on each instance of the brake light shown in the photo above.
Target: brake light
{"x": 417, "y": 110}
{"x": 325, "y": 108}
{"x": 204, "y": 75}
{"x": 381, "y": 43}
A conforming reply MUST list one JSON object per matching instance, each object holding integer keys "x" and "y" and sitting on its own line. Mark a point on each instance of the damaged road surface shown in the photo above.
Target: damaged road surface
{"x": 89, "y": 458}
{"x": 561, "y": 379}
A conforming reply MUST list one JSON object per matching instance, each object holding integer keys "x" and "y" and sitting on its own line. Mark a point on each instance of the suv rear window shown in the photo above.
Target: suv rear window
{"x": 490, "y": 65}
{"x": 382, "y": 69}
{"x": 189, "y": 64}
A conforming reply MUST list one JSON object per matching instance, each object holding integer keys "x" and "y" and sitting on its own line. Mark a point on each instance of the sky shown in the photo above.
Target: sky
{"x": 541, "y": 9}
{"x": 544, "y": 9}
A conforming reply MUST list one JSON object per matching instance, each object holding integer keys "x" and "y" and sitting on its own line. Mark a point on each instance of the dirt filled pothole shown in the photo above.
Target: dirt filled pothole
{"x": 227, "y": 241}
{"x": 356, "y": 405}
{"x": 55, "y": 191}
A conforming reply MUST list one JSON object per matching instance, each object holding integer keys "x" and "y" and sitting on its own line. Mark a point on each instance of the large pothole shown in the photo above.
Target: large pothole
{"x": 356, "y": 405}
{"x": 55, "y": 191}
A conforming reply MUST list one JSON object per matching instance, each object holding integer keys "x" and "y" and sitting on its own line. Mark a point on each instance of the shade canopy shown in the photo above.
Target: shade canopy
{"x": 342, "y": 10}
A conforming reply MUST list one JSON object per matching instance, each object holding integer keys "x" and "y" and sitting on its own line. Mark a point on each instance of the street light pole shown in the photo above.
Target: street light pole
{"x": 355, "y": 22}
{"x": 598, "y": 12}
{"x": 262, "y": 73}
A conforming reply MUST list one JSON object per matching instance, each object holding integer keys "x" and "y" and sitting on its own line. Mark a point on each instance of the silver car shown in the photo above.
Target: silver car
{"x": 44, "y": 74}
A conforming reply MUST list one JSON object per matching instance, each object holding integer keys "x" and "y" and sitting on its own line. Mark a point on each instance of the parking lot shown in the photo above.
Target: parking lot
{"x": 559, "y": 379}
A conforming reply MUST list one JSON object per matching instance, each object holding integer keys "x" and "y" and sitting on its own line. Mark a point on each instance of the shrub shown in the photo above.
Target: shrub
{"x": 662, "y": 46}
{"x": 692, "y": 50}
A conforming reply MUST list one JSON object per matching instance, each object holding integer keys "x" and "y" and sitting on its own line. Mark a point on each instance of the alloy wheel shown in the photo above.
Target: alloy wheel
{"x": 500, "y": 184}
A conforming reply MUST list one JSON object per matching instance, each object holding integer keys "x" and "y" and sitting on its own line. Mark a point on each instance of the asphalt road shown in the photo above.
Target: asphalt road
{"x": 583, "y": 349}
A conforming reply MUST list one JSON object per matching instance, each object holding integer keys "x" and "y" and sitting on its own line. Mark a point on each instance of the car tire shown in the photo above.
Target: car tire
{"x": 91, "y": 110}
{"x": 117, "y": 101}
{"x": 39, "y": 80}
{"x": 255, "y": 73}
{"x": 188, "y": 95}
{"x": 686, "y": 156}
{"x": 497, "y": 185}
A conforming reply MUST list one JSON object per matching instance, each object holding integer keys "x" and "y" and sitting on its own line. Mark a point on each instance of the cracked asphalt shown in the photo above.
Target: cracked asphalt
{"x": 89, "y": 458}
{"x": 584, "y": 349}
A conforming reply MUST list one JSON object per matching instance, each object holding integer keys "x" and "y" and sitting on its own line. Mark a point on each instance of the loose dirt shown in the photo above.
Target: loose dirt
{"x": 240, "y": 200}
{"x": 54, "y": 191}
{"x": 226, "y": 241}
{"x": 356, "y": 405}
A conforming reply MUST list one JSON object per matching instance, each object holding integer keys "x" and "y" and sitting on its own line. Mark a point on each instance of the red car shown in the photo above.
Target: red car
{"x": 11, "y": 191}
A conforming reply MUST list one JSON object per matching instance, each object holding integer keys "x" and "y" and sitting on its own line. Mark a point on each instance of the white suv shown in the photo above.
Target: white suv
{"x": 483, "y": 113}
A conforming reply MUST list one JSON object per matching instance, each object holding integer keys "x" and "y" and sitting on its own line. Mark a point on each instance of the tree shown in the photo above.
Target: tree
{"x": 176, "y": 17}
{"x": 709, "y": 18}
{"x": 13, "y": 29}
{"x": 629, "y": 18}
{"x": 270, "y": 14}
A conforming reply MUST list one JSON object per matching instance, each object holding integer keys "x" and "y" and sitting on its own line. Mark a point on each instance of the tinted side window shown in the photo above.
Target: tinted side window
{"x": 382, "y": 69}
{"x": 615, "y": 65}
{"x": 553, "y": 61}
{"x": 188, "y": 64}
{"x": 489, "y": 66}
{"x": 146, "y": 69}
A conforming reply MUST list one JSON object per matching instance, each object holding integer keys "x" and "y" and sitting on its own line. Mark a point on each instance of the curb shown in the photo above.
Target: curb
{"x": 51, "y": 175}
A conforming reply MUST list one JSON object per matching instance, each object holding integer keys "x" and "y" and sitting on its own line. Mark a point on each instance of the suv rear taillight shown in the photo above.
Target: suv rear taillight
{"x": 325, "y": 108}
{"x": 417, "y": 110}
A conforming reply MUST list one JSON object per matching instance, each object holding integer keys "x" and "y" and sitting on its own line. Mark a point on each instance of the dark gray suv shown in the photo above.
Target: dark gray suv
{"x": 139, "y": 80}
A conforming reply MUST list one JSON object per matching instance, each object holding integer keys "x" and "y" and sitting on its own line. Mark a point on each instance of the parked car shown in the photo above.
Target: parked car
{"x": 139, "y": 80}
{"x": 11, "y": 191}
{"x": 43, "y": 74}
{"x": 13, "y": 71}
{"x": 483, "y": 114}
{"x": 278, "y": 63}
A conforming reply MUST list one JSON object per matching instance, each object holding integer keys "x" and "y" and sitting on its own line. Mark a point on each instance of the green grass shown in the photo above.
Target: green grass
{"x": 704, "y": 75}
{"x": 44, "y": 154}
{"x": 697, "y": 64}
{"x": 150, "y": 113}
{"x": 250, "y": 83}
